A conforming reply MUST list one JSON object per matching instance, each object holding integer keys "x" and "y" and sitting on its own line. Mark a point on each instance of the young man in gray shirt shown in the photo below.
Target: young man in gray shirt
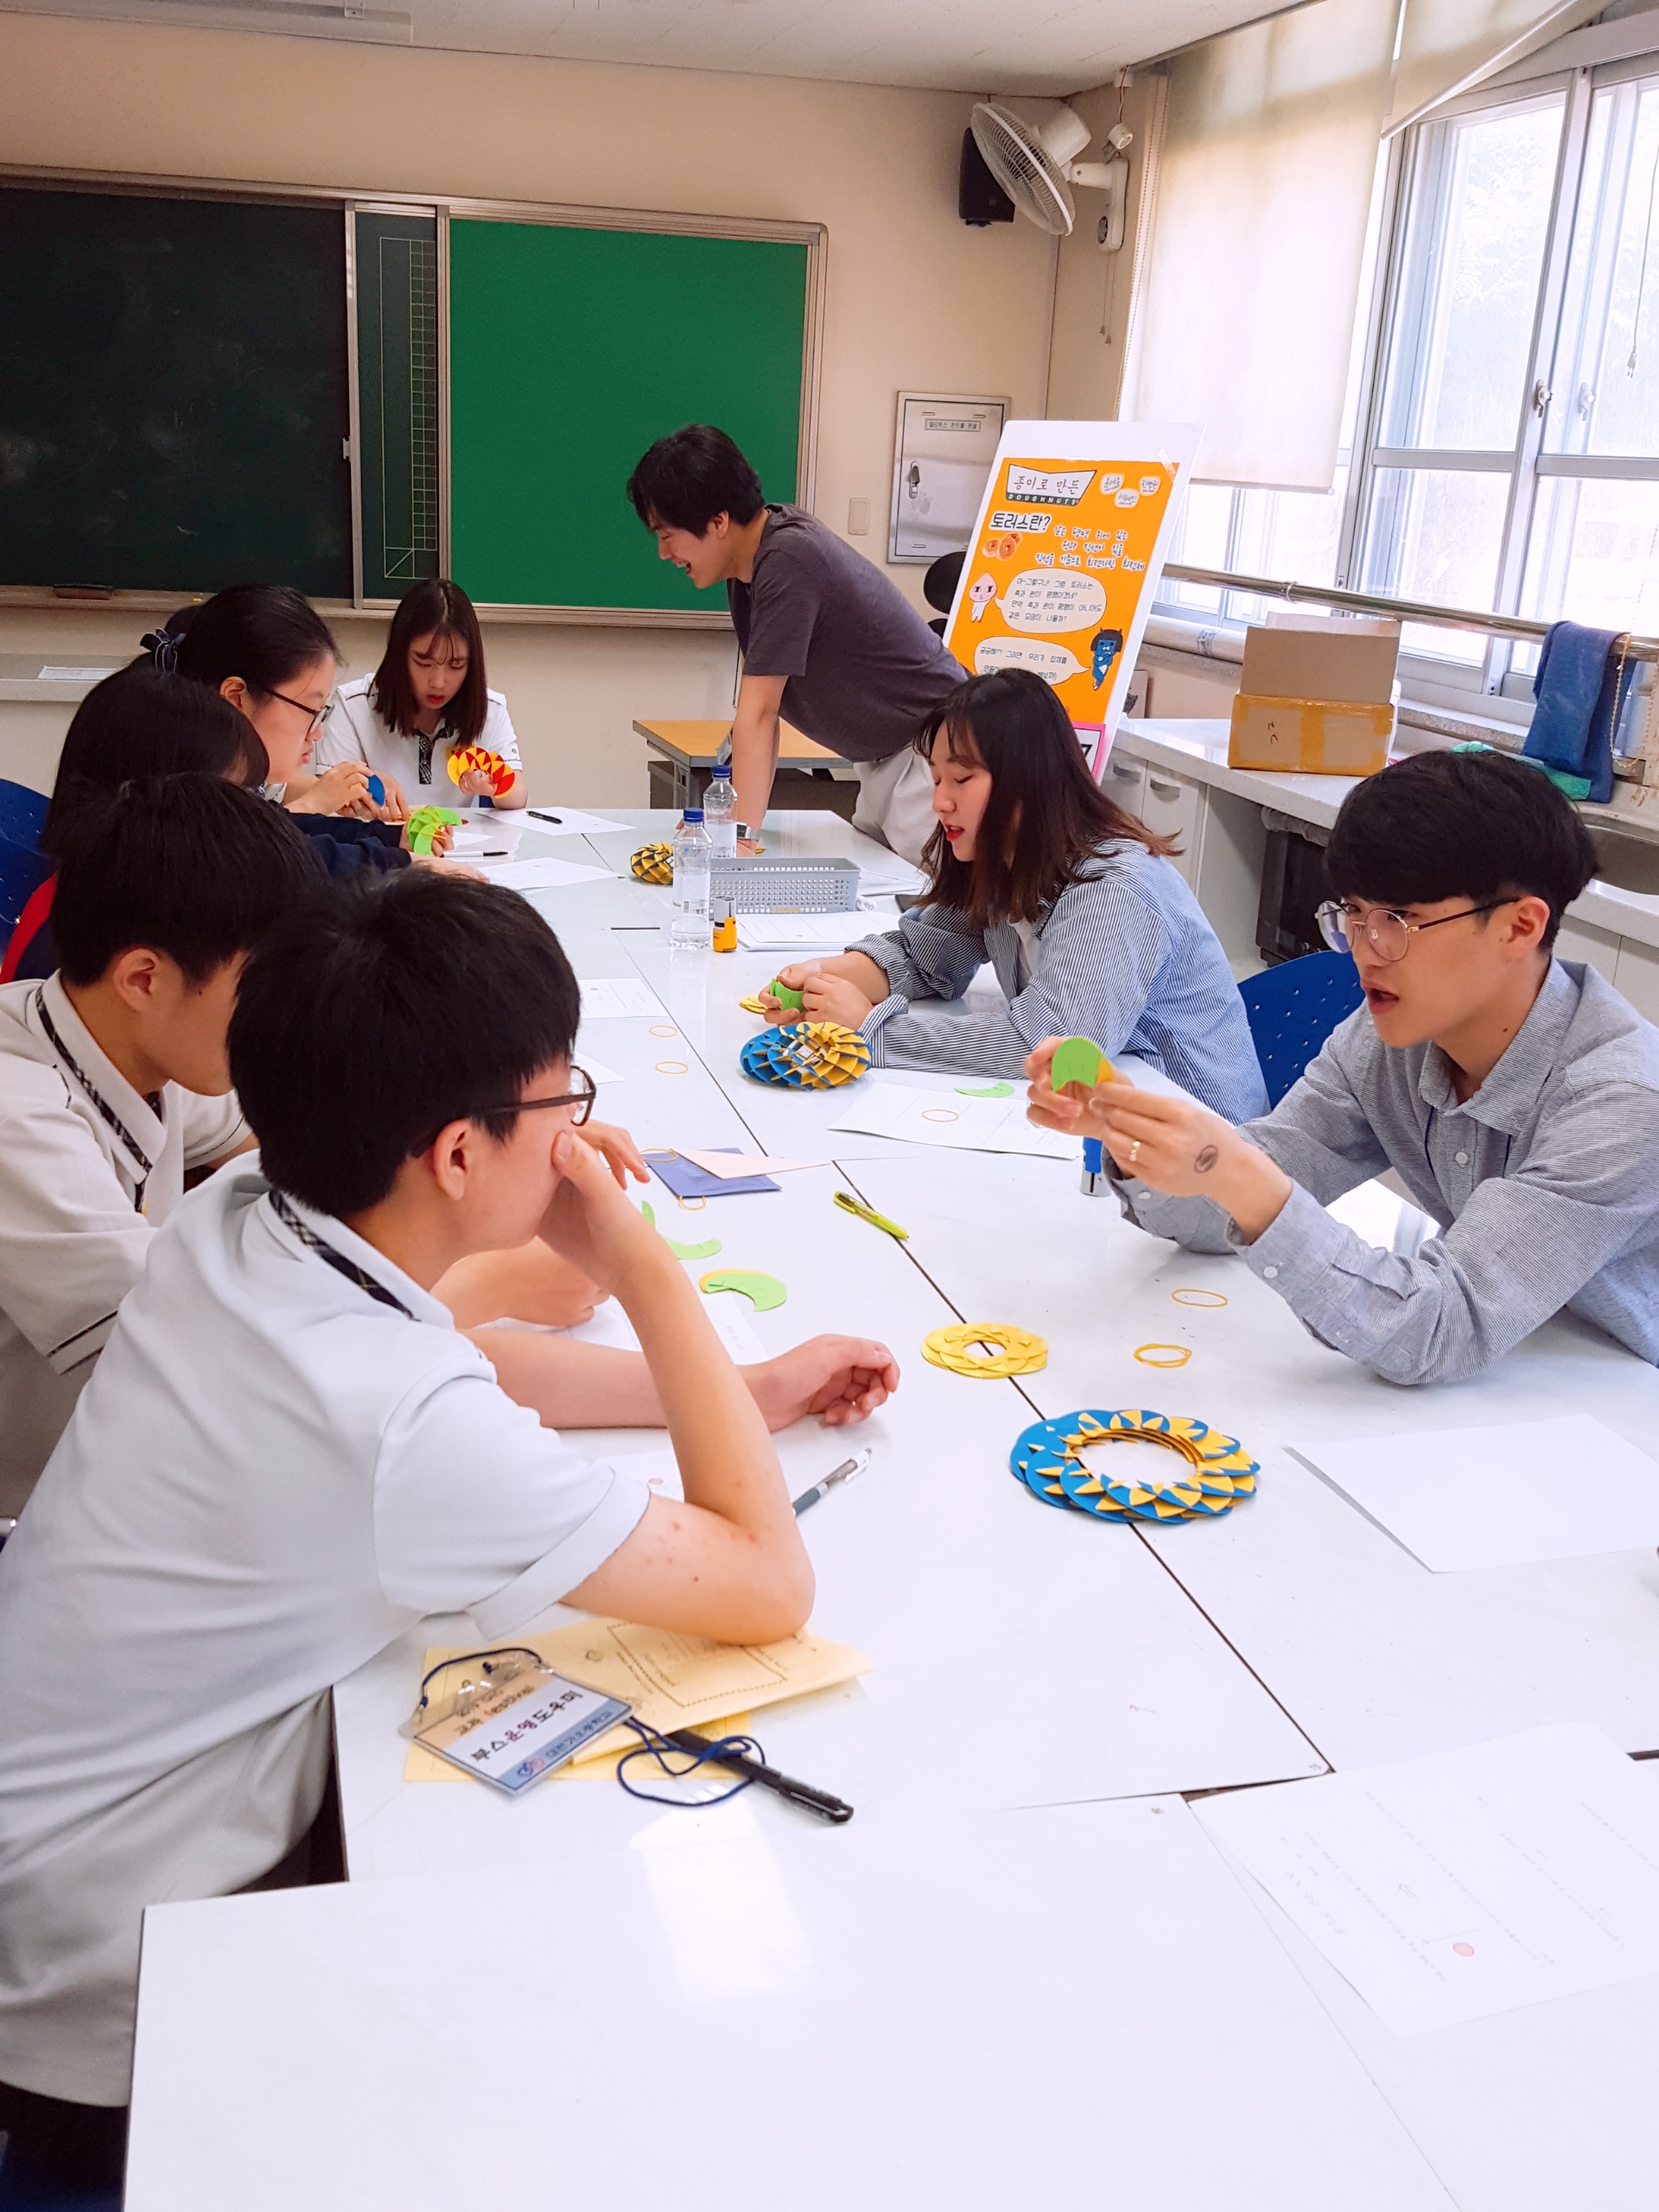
{"x": 1516, "y": 1096}
{"x": 827, "y": 640}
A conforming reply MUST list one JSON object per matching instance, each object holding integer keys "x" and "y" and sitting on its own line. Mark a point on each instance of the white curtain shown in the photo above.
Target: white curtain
{"x": 1264, "y": 181}
{"x": 1447, "y": 46}
{"x": 1244, "y": 317}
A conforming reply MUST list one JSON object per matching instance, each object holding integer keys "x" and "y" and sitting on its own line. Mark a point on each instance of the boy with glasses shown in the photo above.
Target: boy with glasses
{"x": 1516, "y": 1096}
{"x": 289, "y": 1454}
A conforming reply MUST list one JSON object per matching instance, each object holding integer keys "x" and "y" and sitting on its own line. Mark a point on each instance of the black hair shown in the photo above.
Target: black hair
{"x": 265, "y": 633}
{"x": 1452, "y": 824}
{"x": 139, "y": 722}
{"x": 688, "y": 478}
{"x": 437, "y": 609}
{"x": 1047, "y": 816}
{"x": 186, "y": 865}
{"x": 366, "y": 1025}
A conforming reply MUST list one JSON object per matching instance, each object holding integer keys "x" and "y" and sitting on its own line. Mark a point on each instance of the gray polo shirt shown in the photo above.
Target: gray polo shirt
{"x": 1547, "y": 1177}
{"x": 863, "y": 667}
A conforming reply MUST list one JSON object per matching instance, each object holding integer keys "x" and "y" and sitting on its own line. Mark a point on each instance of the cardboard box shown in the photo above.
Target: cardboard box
{"x": 1316, "y": 696}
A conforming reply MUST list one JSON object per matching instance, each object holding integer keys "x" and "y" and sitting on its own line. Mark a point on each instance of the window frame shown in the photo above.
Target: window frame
{"x": 1493, "y": 685}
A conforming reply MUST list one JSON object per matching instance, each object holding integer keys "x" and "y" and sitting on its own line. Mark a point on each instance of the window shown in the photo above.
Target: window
{"x": 1502, "y": 452}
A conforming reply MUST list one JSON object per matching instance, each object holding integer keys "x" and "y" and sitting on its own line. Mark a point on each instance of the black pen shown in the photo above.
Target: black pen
{"x": 542, "y": 815}
{"x": 797, "y": 1792}
{"x": 843, "y": 1473}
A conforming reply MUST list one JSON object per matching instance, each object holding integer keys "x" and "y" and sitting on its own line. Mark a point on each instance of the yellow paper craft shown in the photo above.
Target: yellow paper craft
{"x": 654, "y": 864}
{"x": 1022, "y": 1353}
{"x": 479, "y": 757}
{"x": 671, "y": 1682}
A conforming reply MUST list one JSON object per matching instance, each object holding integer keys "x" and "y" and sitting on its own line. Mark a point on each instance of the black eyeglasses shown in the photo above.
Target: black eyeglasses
{"x": 319, "y": 715}
{"x": 583, "y": 1100}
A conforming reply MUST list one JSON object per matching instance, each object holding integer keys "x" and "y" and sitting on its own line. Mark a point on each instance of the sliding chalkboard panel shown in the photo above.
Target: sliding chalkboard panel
{"x": 396, "y": 263}
{"x": 570, "y": 350}
{"x": 174, "y": 393}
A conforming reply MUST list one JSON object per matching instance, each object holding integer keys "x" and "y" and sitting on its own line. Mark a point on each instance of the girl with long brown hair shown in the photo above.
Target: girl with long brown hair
{"x": 1074, "y": 903}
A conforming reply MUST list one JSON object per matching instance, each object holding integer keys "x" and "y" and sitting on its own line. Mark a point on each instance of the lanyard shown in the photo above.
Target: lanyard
{"x": 135, "y": 1150}
{"x": 337, "y": 1261}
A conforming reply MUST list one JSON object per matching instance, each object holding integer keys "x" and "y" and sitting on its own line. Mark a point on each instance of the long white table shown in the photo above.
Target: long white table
{"x": 1023, "y": 1969}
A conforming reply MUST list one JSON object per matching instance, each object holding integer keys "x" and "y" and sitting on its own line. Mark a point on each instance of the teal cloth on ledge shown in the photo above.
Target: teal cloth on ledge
{"x": 1581, "y": 695}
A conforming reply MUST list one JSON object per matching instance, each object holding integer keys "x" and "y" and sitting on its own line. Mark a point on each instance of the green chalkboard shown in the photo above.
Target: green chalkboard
{"x": 396, "y": 264}
{"x": 174, "y": 393}
{"x": 570, "y": 350}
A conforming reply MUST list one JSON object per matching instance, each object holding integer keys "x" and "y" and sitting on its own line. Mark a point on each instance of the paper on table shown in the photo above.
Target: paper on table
{"x": 598, "y": 1069}
{"x": 729, "y": 1164}
{"x": 946, "y": 1117}
{"x": 671, "y": 1682}
{"x": 568, "y": 821}
{"x": 1468, "y": 1883}
{"x": 477, "y": 834}
{"x": 1458, "y": 1498}
{"x": 608, "y": 998}
{"x": 881, "y": 873}
{"x": 804, "y": 933}
{"x": 539, "y": 875}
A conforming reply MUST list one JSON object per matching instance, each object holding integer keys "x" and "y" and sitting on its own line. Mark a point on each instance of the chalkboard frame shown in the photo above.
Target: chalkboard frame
{"x": 352, "y": 200}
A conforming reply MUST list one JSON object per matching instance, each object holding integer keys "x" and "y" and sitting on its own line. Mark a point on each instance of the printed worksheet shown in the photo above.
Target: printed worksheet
{"x": 538, "y": 875}
{"x": 613, "y": 998}
{"x": 1467, "y": 1883}
{"x": 949, "y": 1118}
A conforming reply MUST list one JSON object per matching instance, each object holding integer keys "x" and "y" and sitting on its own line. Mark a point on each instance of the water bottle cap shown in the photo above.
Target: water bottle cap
{"x": 692, "y": 814}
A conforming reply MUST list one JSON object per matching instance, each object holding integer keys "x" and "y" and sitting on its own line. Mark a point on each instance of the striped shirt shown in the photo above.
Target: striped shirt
{"x": 1124, "y": 955}
{"x": 1546, "y": 1177}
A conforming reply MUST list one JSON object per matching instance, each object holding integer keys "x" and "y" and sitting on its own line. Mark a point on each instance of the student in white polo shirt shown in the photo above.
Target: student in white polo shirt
{"x": 427, "y": 700}
{"x": 289, "y": 1454}
{"x": 114, "y": 1085}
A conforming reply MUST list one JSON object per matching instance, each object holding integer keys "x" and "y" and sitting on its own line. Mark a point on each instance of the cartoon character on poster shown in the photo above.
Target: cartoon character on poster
{"x": 1061, "y": 563}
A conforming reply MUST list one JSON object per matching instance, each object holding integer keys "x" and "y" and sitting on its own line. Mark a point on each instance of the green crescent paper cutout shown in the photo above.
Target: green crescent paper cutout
{"x": 424, "y": 823}
{"x": 1078, "y": 1060}
{"x": 763, "y": 1292}
{"x": 991, "y": 1091}
{"x": 705, "y": 1251}
{"x": 783, "y": 995}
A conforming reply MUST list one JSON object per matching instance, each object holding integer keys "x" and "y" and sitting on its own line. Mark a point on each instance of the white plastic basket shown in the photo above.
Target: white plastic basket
{"x": 763, "y": 883}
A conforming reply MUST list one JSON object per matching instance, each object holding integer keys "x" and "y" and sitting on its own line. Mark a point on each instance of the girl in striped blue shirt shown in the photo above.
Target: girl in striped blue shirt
{"x": 1089, "y": 930}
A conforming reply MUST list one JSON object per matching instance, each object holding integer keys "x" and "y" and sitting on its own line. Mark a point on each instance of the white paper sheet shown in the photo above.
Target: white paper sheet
{"x": 730, "y": 1165}
{"x": 570, "y": 821}
{"x": 946, "y": 1117}
{"x": 613, "y": 998}
{"x": 882, "y": 873}
{"x": 538, "y": 875}
{"x": 1468, "y": 1883}
{"x": 598, "y": 1069}
{"x": 799, "y": 933}
{"x": 1498, "y": 1496}
{"x": 479, "y": 836}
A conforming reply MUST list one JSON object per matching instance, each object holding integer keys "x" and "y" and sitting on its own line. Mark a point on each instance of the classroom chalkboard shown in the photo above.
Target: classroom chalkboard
{"x": 174, "y": 392}
{"x": 570, "y": 350}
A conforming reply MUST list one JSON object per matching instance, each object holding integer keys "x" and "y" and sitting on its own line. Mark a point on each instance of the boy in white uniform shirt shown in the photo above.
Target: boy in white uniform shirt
{"x": 289, "y": 1454}
{"x": 114, "y": 1085}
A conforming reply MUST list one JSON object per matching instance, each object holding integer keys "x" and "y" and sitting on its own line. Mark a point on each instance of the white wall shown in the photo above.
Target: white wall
{"x": 915, "y": 300}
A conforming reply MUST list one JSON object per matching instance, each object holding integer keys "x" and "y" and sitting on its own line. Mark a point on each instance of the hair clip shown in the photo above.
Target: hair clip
{"x": 163, "y": 649}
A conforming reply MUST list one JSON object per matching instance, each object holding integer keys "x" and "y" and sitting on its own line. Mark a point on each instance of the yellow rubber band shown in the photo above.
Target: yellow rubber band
{"x": 1183, "y": 1353}
{"x": 672, "y": 1067}
{"x": 1206, "y": 1301}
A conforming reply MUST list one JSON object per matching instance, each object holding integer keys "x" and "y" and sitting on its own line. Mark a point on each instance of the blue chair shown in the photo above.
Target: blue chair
{"x": 24, "y": 867}
{"x": 1293, "y": 1008}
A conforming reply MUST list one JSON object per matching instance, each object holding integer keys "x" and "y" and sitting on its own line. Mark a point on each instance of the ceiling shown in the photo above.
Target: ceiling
{"x": 1032, "y": 47}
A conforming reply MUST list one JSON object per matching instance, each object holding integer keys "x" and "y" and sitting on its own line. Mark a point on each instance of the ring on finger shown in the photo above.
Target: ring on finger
{"x": 1134, "y": 1151}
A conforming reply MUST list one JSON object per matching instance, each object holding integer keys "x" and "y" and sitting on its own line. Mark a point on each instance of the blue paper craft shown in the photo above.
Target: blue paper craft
{"x": 687, "y": 1180}
{"x": 377, "y": 790}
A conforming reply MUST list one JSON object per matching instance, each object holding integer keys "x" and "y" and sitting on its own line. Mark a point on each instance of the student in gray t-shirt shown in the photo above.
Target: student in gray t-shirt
{"x": 827, "y": 640}
{"x": 1515, "y": 1095}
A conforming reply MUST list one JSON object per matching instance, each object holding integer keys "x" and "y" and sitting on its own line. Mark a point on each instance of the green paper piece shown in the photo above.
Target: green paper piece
{"x": 783, "y": 993}
{"x": 763, "y": 1292}
{"x": 425, "y": 823}
{"x": 991, "y": 1091}
{"x": 1076, "y": 1060}
{"x": 704, "y": 1251}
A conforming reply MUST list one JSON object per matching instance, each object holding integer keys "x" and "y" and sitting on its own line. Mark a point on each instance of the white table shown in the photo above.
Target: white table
{"x": 1075, "y": 2006}
{"x": 1015, "y": 1998}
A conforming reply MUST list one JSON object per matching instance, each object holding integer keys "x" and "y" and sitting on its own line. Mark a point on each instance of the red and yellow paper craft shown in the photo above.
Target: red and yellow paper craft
{"x": 478, "y": 757}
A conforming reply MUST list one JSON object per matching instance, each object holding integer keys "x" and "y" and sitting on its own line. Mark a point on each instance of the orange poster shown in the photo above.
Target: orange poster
{"x": 1071, "y": 538}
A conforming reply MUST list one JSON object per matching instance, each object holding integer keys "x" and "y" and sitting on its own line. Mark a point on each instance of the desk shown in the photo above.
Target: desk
{"x": 1008, "y": 1993}
{"x": 681, "y": 757}
{"x": 1067, "y": 2008}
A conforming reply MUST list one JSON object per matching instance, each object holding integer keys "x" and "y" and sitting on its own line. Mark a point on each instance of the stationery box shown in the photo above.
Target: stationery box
{"x": 1316, "y": 697}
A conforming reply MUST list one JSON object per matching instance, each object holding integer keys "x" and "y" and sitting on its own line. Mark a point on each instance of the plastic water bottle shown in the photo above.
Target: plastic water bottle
{"x": 719, "y": 816}
{"x": 689, "y": 924}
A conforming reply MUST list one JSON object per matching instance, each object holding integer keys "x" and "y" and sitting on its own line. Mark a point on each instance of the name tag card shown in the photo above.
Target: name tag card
{"x": 532, "y": 1723}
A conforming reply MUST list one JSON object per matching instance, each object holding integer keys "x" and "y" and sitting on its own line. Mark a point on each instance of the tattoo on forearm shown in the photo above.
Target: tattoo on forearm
{"x": 1207, "y": 1159}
